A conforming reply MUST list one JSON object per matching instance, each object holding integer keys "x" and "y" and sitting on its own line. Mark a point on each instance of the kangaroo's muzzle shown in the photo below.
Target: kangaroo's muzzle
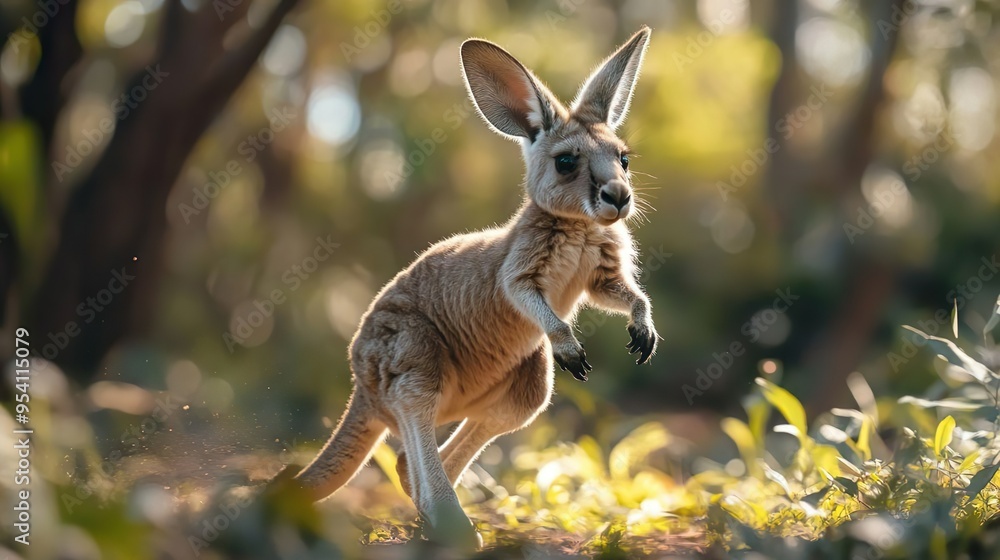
{"x": 615, "y": 201}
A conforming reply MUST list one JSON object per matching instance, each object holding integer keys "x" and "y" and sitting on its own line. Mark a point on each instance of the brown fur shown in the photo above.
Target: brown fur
{"x": 468, "y": 332}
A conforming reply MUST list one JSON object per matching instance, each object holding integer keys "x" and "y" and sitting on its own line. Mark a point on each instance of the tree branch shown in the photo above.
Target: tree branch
{"x": 229, "y": 72}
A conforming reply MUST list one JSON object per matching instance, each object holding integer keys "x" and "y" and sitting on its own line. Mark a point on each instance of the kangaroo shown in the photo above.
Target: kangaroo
{"x": 469, "y": 331}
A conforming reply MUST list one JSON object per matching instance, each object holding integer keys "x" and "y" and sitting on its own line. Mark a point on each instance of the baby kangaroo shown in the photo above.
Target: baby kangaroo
{"x": 468, "y": 332}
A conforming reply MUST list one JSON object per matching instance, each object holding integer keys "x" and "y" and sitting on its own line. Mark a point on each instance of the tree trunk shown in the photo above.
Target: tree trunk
{"x": 837, "y": 348}
{"x": 104, "y": 272}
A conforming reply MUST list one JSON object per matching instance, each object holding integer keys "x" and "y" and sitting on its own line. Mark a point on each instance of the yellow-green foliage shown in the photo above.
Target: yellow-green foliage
{"x": 840, "y": 470}
{"x": 923, "y": 469}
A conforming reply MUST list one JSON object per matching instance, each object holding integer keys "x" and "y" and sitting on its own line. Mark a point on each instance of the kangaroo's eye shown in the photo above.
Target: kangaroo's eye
{"x": 624, "y": 160}
{"x": 566, "y": 163}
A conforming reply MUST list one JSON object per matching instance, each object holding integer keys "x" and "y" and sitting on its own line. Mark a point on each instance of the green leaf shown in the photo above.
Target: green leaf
{"x": 954, "y": 319}
{"x": 943, "y": 435}
{"x": 953, "y": 404}
{"x": 994, "y": 319}
{"x": 635, "y": 447}
{"x": 850, "y": 467}
{"x": 952, "y": 353}
{"x": 736, "y": 506}
{"x": 743, "y": 438}
{"x": 591, "y": 449}
{"x": 969, "y": 460}
{"x": 864, "y": 438}
{"x": 20, "y": 181}
{"x": 787, "y": 404}
{"x": 826, "y": 458}
{"x": 778, "y": 478}
{"x": 981, "y": 481}
{"x": 758, "y": 412}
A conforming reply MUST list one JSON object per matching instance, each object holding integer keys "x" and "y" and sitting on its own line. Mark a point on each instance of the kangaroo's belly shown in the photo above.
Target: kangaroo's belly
{"x": 448, "y": 319}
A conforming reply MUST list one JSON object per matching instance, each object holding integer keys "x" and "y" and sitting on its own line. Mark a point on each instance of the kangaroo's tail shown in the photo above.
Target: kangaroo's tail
{"x": 347, "y": 450}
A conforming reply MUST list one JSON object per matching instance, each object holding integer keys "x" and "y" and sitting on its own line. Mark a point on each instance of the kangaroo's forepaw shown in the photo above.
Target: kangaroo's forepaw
{"x": 643, "y": 340}
{"x": 573, "y": 358}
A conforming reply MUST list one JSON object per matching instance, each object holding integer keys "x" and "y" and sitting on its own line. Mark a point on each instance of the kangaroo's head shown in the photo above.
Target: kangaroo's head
{"x": 577, "y": 167}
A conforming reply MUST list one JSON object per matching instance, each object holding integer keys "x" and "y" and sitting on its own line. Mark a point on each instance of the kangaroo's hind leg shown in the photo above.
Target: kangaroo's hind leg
{"x": 403, "y": 465}
{"x": 415, "y": 410}
{"x": 464, "y": 444}
{"x": 528, "y": 394}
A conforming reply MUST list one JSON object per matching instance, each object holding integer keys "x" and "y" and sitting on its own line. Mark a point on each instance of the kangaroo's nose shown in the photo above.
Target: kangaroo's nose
{"x": 616, "y": 194}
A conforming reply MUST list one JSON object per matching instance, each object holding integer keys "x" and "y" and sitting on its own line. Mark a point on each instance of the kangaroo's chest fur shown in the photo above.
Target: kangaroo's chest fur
{"x": 572, "y": 257}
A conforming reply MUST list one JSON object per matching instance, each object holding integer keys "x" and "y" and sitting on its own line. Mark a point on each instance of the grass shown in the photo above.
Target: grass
{"x": 894, "y": 478}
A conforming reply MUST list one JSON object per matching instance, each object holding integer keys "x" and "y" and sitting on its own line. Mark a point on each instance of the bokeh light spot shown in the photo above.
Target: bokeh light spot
{"x": 125, "y": 24}
{"x": 831, "y": 51}
{"x": 286, "y": 53}
{"x": 333, "y": 113}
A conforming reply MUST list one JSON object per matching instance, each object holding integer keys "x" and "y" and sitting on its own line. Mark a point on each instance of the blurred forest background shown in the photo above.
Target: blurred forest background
{"x": 198, "y": 199}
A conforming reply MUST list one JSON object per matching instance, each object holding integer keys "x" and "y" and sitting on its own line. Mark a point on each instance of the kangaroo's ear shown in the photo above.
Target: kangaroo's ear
{"x": 606, "y": 94}
{"x": 508, "y": 96}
